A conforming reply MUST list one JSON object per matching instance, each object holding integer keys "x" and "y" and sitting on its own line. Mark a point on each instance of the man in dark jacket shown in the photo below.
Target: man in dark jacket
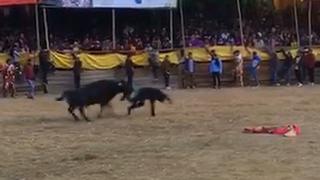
{"x": 309, "y": 62}
{"x": 285, "y": 71}
{"x": 273, "y": 67}
{"x": 298, "y": 68}
{"x": 44, "y": 68}
{"x": 129, "y": 72}
{"x": 165, "y": 68}
{"x": 77, "y": 68}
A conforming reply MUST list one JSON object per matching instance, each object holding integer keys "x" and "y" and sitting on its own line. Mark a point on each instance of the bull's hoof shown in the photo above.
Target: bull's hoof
{"x": 88, "y": 120}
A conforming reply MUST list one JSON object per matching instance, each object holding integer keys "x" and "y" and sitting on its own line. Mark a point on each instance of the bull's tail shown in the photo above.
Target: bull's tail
{"x": 61, "y": 98}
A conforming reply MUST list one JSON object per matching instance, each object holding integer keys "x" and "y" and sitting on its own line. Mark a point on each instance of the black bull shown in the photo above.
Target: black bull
{"x": 147, "y": 93}
{"x": 99, "y": 92}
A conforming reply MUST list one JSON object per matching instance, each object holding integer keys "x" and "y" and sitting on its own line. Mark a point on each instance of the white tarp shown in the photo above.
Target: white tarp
{"x": 68, "y": 3}
{"x": 76, "y": 3}
{"x": 135, "y": 3}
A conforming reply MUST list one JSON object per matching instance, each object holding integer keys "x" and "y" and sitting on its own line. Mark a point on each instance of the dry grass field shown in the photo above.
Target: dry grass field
{"x": 196, "y": 138}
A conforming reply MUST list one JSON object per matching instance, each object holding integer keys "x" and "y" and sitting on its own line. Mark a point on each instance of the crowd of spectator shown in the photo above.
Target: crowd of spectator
{"x": 195, "y": 37}
{"x": 10, "y": 39}
{"x": 199, "y": 32}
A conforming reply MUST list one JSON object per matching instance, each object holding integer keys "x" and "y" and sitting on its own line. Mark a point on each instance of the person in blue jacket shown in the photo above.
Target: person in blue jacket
{"x": 254, "y": 66}
{"x": 215, "y": 69}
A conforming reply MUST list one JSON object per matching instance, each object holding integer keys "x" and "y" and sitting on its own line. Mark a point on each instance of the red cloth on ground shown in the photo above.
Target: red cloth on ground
{"x": 274, "y": 130}
{"x": 280, "y": 130}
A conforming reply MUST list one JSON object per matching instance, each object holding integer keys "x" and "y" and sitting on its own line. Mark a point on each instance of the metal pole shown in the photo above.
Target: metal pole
{"x": 310, "y": 22}
{"x": 183, "y": 36}
{"x": 296, "y": 22}
{"x": 171, "y": 27}
{"x": 182, "y": 26}
{"x": 36, "y": 10}
{"x": 114, "y": 39}
{"x": 46, "y": 28}
{"x": 240, "y": 22}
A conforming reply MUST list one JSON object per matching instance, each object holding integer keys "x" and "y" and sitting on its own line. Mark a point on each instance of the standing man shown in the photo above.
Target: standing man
{"x": 274, "y": 67}
{"x": 77, "y": 68}
{"x": 238, "y": 72}
{"x": 189, "y": 69}
{"x": 29, "y": 76}
{"x": 309, "y": 64}
{"x": 274, "y": 61}
{"x": 165, "y": 67}
{"x": 129, "y": 72}
{"x": 254, "y": 66}
{"x": 215, "y": 70}
{"x": 44, "y": 68}
{"x": 285, "y": 71}
{"x": 153, "y": 60}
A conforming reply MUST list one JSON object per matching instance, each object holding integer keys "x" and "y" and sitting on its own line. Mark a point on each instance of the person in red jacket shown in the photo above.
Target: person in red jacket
{"x": 309, "y": 62}
{"x": 29, "y": 77}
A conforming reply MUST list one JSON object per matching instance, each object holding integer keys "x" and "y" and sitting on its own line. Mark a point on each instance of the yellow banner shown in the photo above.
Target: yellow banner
{"x": 89, "y": 61}
{"x": 109, "y": 61}
{"x": 63, "y": 61}
{"x": 23, "y": 57}
{"x": 141, "y": 59}
{"x": 106, "y": 61}
{"x": 174, "y": 56}
{"x": 225, "y": 53}
{"x": 3, "y": 58}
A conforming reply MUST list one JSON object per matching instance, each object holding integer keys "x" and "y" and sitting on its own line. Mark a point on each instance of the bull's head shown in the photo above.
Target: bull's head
{"x": 125, "y": 89}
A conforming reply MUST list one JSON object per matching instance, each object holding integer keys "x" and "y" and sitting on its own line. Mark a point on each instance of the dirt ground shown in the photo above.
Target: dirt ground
{"x": 196, "y": 138}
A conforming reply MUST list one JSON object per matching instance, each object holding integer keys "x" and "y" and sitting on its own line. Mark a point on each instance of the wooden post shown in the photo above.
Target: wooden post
{"x": 182, "y": 26}
{"x": 310, "y": 22}
{"x": 171, "y": 27}
{"x": 296, "y": 22}
{"x": 180, "y": 74}
{"x": 36, "y": 10}
{"x": 46, "y": 28}
{"x": 114, "y": 39}
{"x": 240, "y": 22}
